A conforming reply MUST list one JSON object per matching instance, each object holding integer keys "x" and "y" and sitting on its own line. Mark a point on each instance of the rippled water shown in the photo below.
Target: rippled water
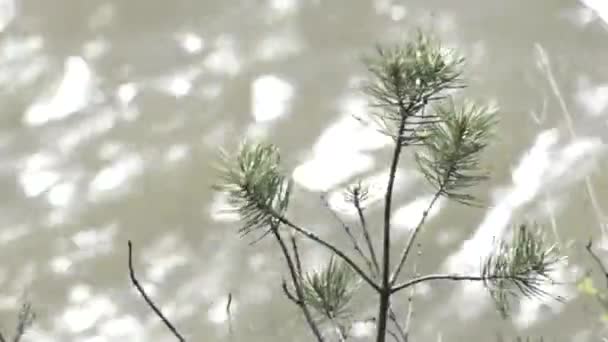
{"x": 113, "y": 112}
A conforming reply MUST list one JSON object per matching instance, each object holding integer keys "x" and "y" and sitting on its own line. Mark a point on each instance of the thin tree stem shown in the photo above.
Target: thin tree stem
{"x": 296, "y": 254}
{"x": 288, "y": 294}
{"x": 597, "y": 259}
{"x": 393, "y": 335}
{"x": 229, "y": 315}
{"x": 339, "y": 332}
{"x": 312, "y": 236}
{"x": 153, "y": 306}
{"x": 412, "y": 238}
{"x": 385, "y": 290}
{"x": 410, "y": 309}
{"x": 341, "y": 337}
{"x": 393, "y": 317}
{"x": 408, "y": 318}
{"x": 295, "y": 277}
{"x": 352, "y": 238}
{"x": 453, "y": 277}
{"x": 24, "y": 321}
{"x": 366, "y": 235}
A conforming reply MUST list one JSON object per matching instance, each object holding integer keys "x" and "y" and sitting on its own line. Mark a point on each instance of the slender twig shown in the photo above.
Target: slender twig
{"x": 296, "y": 254}
{"x": 348, "y": 232}
{"x": 338, "y": 329}
{"x": 598, "y": 260}
{"x": 410, "y": 308}
{"x": 368, "y": 239}
{"x": 294, "y": 246}
{"x": 153, "y": 306}
{"x": 410, "y": 241}
{"x": 547, "y": 69}
{"x": 298, "y": 286}
{"x": 408, "y": 318}
{"x": 393, "y": 317}
{"x": 24, "y": 321}
{"x": 385, "y": 291}
{"x": 393, "y": 335}
{"x": 453, "y": 277}
{"x": 553, "y": 222}
{"x": 312, "y": 236}
{"x": 26, "y": 317}
{"x": 288, "y": 294}
{"x": 229, "y": 315}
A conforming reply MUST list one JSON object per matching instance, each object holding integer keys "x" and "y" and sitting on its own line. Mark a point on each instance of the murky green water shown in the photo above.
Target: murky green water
{"x": 113, "y": 111}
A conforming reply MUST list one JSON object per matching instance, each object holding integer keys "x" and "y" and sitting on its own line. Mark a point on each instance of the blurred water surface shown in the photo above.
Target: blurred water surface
{"x": 112, "y": 113}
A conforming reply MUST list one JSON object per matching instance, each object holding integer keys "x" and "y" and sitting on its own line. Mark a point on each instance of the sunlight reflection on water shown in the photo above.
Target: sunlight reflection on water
{"x": 270, "y": 97}
{"x": 72, "y": 95}
{"x": 599, "y": 6}
{"x": 8, "y": 11}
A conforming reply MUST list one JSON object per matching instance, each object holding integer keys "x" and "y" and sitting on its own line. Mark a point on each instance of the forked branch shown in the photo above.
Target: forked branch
{"x": 260, "y": 193}
{"x": 353, "y": 239}
{"x": 356, "y": 194}
{"x": 296, "y": 278}
{"x": 412, "y": 238}
{"x": 24, "y": 320}
{"x": 151, "y": 304}
{"x": 521, "y": 266}
{"x": 312, "y": 236}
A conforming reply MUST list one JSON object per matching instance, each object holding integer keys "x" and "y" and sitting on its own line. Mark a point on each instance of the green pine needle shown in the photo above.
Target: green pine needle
{"x": 404, "y": 79}
{"x": 520, "y": 267}
{"x": 329, "y": 291}
{"x": 256, "y": 188}
{"x": 450, "y": 156}
{"x": 356, "y": 193}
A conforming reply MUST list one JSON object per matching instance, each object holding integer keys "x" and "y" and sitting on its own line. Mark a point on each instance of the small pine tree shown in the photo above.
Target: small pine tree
{"x": 411, "y": 89}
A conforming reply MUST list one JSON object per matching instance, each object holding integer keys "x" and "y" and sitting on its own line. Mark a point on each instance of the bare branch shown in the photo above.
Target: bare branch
{"x": 288, "y": 294}
{"x": 393, "y": 335}
{"x": 455, "y": 277}
{"x": 298, "y": 286}
{"x": 25, "y": 319}
{"x": 148, "y": 300}
{"x": 429, "y": 277}
{"x": 348, "y": 232}
{"x": 393, "y": 317}
{"x": 339, "y": 331}
{"x": 229, "y": 315}
{"x": 408, "y": 319}
{"x": 410, "y": 242}
{"x": 598, "y": 260}
{"x": 410, "y": 309}
{"x": 366, "y": 235}
{"x": 296, "y": 254}
{"x": 312, "y": 236}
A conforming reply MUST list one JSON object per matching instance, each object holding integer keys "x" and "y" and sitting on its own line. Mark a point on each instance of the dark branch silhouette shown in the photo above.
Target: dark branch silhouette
{"x": 24, "y": 321}
{"x": 148, "y": 300}
{"x": 598, "y": 260}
